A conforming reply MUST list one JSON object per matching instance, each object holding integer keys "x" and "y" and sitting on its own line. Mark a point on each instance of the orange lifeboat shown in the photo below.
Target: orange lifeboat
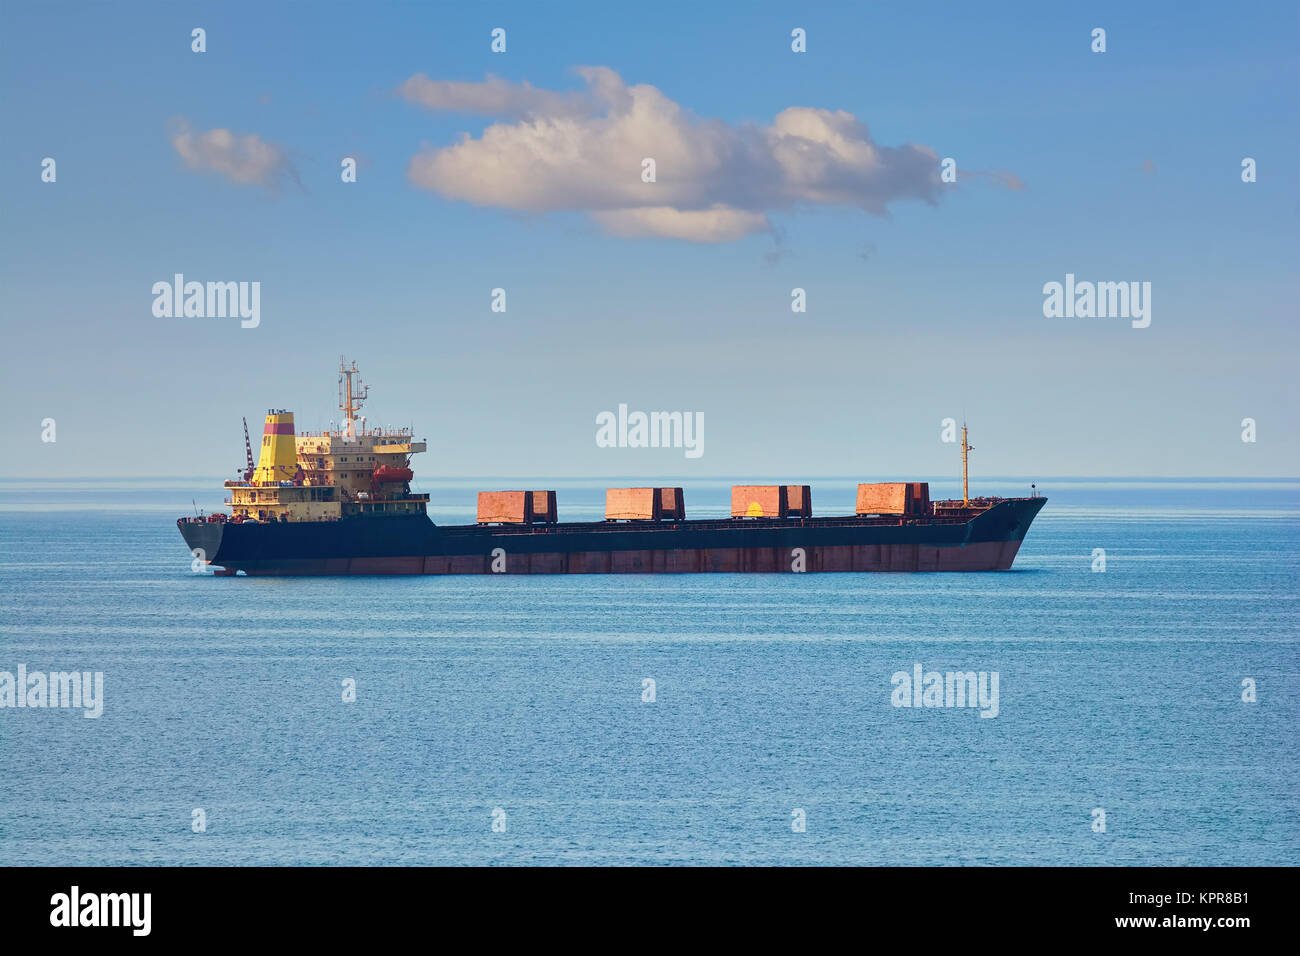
{"x": 391, "y": 473}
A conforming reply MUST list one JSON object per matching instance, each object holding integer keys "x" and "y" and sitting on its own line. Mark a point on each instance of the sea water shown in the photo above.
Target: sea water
{"x": 624, "y": 719}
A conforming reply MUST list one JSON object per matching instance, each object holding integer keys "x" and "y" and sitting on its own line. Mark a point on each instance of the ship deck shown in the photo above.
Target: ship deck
{"x": 944, "y": 516}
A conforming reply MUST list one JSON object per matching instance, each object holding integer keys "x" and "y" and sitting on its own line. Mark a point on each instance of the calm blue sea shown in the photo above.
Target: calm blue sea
{"x": 1119, "y": 690}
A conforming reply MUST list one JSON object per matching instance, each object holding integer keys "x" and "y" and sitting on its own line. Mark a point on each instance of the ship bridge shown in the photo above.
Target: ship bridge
{"x": 408, "y": 447}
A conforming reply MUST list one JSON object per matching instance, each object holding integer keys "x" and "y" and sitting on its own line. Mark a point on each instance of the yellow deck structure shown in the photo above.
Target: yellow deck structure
{"x": 322, "y": 476}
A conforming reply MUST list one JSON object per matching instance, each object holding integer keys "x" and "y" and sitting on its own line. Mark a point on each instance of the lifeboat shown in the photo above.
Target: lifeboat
{"x": 392, "y": 473}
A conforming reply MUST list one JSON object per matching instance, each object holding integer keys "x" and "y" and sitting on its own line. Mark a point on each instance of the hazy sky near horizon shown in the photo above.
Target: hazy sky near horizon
{"x": 776, "y": 170}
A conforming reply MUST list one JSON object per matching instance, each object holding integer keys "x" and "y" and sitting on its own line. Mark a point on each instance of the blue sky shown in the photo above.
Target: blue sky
{"x": 1129, "y": 160}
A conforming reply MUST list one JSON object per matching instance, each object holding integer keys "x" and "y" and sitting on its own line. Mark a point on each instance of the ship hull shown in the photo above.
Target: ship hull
{"x": 987, "y": 540}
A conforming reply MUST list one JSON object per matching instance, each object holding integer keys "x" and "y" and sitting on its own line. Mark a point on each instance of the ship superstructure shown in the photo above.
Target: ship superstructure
{"x": 329, "y": 475}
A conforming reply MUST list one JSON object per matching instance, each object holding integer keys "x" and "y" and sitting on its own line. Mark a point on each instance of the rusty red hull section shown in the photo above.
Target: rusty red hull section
{"x": 985, "y": 556}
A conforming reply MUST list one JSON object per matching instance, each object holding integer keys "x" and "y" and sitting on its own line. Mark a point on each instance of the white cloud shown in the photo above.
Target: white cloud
{"x": 493, "y": 97}
{"x": 998, "y": 177}
{"x": 716, "y": 181}
{"x": 242, "y": 158}
{"x": 718, "y": 224}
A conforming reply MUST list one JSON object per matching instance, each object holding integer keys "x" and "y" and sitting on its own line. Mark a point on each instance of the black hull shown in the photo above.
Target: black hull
{"x": 978, "y": 540}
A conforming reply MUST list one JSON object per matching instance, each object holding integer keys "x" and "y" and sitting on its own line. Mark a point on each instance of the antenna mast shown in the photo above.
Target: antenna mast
{"x": 350, "y": 399}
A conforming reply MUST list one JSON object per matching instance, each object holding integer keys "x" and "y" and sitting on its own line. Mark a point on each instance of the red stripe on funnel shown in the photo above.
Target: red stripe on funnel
{"x": 278, "y": 428}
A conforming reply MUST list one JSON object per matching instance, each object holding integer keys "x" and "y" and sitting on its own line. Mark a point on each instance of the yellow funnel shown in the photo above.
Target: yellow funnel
{"x": 278, "y": 460}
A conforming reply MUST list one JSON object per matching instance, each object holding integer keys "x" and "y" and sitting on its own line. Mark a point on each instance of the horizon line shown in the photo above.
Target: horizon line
{"x": 711, "y": 477}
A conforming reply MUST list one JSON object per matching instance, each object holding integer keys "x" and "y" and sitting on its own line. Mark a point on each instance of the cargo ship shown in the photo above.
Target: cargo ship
{"x": 340, "y": 502}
